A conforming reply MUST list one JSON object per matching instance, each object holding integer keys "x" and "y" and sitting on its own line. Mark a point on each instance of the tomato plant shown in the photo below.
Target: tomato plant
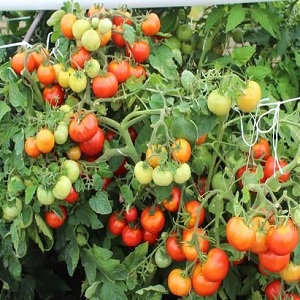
{"x": 56, "y": 219}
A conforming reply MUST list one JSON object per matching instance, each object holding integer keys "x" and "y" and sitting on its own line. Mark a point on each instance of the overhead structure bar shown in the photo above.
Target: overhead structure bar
{"x": 13, "y": 5}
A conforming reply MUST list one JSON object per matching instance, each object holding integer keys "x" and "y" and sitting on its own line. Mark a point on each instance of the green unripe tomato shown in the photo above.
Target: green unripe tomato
{"x": 162, "y": 259}
{"x": 62, "y": 188}
{"x": 72, "y": 169}
{"x": 218, "y": 104}
{"x": 184, "y": 32}
{"x": 61, "y": 133}
{"x": 162, "y": 176}
{"x": 12, "y": 209}
{"x": 79, "y": 27}
{"x": 44, "y": 196}
{"x": 182, "y": 173}
{"x": 143, "y": 172}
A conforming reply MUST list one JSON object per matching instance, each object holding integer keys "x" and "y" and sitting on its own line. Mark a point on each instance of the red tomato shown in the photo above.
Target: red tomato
{"x": 110, "y": 135}
{"x": 122, "y": 17}
{"x": 172, "y": 204}
{"x": 133, "y": 133}
{"x": 272, "y": 262}
{"x": 73, "y": 196}
{"x": 106, "y": 182}
{"x": 137, "y": 71}
{"x": 131, "y": 214}
{"x": 105, "y": 86}
{"x": 117, "y": 36}
{"x": 55, "y": 220}
{"x": 246, "y": 169}
{"x": 120, "y": 68}
{"x": 216, "y": 267}
{"x": 239, "y": 234}
{"x": 274, "y": 290}
{"x": 79, "y": 58}
{"x": 121, "y": 170}
{"x": 174, "y": 248}
{"x": 201, "y": 285}
{"x": 54, "y": 94}
{"x": 116, "y": 223}
{"x": 152, "y": 219}
{"x": 261, "y": 150}
{"x": 46, "y": 74}
{"x": 189, "y": 244}
{"x": 132, "y": 236}
{"x": 193, "y": 211}
{"x": 150, "y": 237}
{"x": 271, "y": 167}
{"x": 140, "y": 51}
{"x": 83, "y": 127}
{"x": 283, "y": 238}
{"x": 260, "y": 225}
{"x": 94, "y": 145}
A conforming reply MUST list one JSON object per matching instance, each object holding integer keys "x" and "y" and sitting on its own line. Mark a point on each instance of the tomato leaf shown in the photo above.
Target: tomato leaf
{"x": 16, "y": 98}
{"x": 100, "y": 204}
{"x": 29, "y": 193}
{"x": 129, "y": 33}
{"x": 236, "y": 16}
{"x": 113, "y": 290}
{"x": 126, "y": 192}
{"x": 242, "y": 55}
{"x": 188, "y": 80}
{"x": 162, "y": 192}
{"x": 91, "y": 291}
{"x": 162, "y": 60}
{"x": 55, "y": 17}
{"x": 133, "y": 259}
{"x": 4, "y": 108}
{"x": 258, "y": 72}
{"x": 232, "y": 283}
{"x": 86, "y": 216}
{"x": 47, "y": 234}
{"x": 214, "y": 17}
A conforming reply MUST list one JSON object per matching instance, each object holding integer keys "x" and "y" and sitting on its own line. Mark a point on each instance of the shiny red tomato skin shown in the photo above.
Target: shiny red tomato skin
{"x": 174, "y": 248}
{"x": 120, "y": 68}
{"x": 271, "y": 167}
{"x": 116, "y": 223}
{"x": 173, "y": 203}
{"x": 105, "y": 86}
{"x": 73, "y": 196}
{"x": 261, "y": 150}
{"x": 54, "y": 95}
{"x": 192, "y": 208}
{"x": 283, "y": 238}
{"x": 94, "y": 145}
{"x": 152, "y": 219}
{"x": 150, "y": 237}
{"x": 131, "y": 214}
{"x": 121, "y": 170}
{"x": 273, "y": 289}
{"x": 140, "y": 51}
{"x": 272, "y": 262}
{"x": 54, "y": 220}
{"x": 132, "y": 236}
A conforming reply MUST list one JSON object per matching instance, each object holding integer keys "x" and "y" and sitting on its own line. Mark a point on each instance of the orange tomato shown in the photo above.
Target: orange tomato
{"x": 155, "y": 155}
{"x": 66, "y": 25}
{"x": 181, "y": 150}
{"x": 45, "y": 140}
{"x": 31, "y": 148}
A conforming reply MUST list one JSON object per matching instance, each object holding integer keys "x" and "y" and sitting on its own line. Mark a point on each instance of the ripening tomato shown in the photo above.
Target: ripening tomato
{"x": 137, "y": 71}
{"x": 216, "y": 267}
{"x": 152, "y": 219}
{"x": 201, "y": 139}
{"x": 143, "y": 172}
{"x": 172, "y": 204}
{"x": 95, "y": 10}
{"x": 45, "y": 140}
{"x": 116, "y": 223}
{"x": 239, "y": 234}
{"x": 192, "y": 212}
{"x": 156, "y": 155}
{"x": 132, "y": 236}
{"x": 61, "y": 133}
{"x": 66, "y": 24}
{"x": 189, "y": 245}
{"x": 151, "y": 25}
{"x": 105, "y": 86}
{"x": 79, "y": 58}
{"x": 291, "y": 273}
{"x": 79, "y": 27}
{"x": 121, "y": 17}
{"x": 83, "y": 127}
{"x": 272, "y": 166}
{"x": 44, "y": 196}
{"x": 31, "y": 148}
{"x": 90, "y": 40}
{"x": 249, "y": 99}
{"x": 260, "y": 226}
{"x": 261, "y": 150}
{"x": 117, "y": 36}
{"x": 131, "y": 214}
{"x": 55, "y": 219}
{"x": 120, "y": 68}
{"x": 78, "y": 81}
{"x": 74, "y": 153}
{"x": 73, "y": 196}
{"x": 94, "y": 145}
{"x": 62, "y": 187}
{"x": 272, "y": 262}
{"x": 54, "y": 95}
{"x": 179, "y": 283}
{"x": 46, "y": 74}
{"x": 174, "y": 247}
{"x": 247, "y": 170}
{"x": 181, "y": 150}
{"x": 283, "y": 238}
{"x": 201, "y": 285}
{"x": 162, "y": 176}
{"x": 40, "y": 56}
{"x": 218, "y": 103}
{"x": 274, "y": 290}
{"x": 19, "y": 60}
{"x": 140, "y": 51}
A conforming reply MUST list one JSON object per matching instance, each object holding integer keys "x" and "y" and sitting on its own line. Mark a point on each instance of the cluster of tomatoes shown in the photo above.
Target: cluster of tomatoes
{"x": 156, "y": 168}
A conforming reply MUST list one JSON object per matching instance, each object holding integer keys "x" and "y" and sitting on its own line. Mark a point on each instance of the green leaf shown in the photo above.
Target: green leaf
{"x": 133, "y": 259}
{"x": 129, "y": 33}
{"x": 100, "y": 204}
{"x": 242, "y": 55}
{"x": 162, "y": 60}
{"x": 236, "y": 16}
{"x": 214, "y": 17}
{"x": 258, "y": 72}
{"x": 162, "y": 192}
{"x": 55, "y": 17}
{"x": 4, "y": 108}
{"x": 187, "y": 80}
{"x": 29, "y": 193}
{"x": 266, "y": 19}
{"x": 87, "y": 216}
{"x": 184, "y": 128}
{"x": 44, "y": 229}
{"x": 113, "y": 291}
{"x": 16, "y": 98}
{"x": 155, "y": 288}
{"x": 232, "y": 283}
{"x": 127, "y": 194}
{"x": 92, "y": 290}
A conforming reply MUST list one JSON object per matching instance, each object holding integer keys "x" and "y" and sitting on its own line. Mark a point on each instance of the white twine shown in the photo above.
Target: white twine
{"x": 23, "y": 43}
